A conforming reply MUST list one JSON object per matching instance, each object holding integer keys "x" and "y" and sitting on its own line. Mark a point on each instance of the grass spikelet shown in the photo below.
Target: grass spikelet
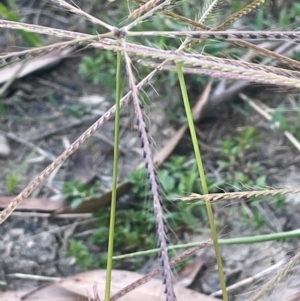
{"x": 207, "y": 9}
{"x": 144, "y": 8}
{"x": 242, "y": 12}
{"x": 162, "y": 232}
{"x": 214, "y": 197}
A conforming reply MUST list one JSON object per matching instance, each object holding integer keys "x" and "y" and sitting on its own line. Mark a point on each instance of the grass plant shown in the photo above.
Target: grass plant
{"x": 128, "y": 47}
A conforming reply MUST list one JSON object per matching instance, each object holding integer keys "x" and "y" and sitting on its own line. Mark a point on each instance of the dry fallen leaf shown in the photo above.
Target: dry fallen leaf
{"x": 49, "y": 292}
{"x": 31, "y": 204}
{"x": 198, "y": 108}
{"x": 81, "y": 287}
{"x": 165, "y": 152}
{"x": 190, "y": 272}
{"x": 5, "y": 149}
{"x": 91, "y": 100}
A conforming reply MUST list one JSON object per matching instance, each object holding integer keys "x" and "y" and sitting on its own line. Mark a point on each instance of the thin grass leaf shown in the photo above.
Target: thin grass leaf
{"x": 201, "y": 171}
{"x": 113, "y": 207}
{"x": 223, "y": 241}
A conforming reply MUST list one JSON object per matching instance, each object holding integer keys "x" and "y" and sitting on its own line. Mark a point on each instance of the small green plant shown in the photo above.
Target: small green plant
{"x": 9, "y": 13}
{"x": 79, "y": 250}
{"x": 77, "y": 192}
{"x": 235, "y": 148}
{"x": 177, "y": 176}
{"x": 76, "y": 110}
{"x": 238, "y": 173}
{"x": 134, "y": 230}
{"x": 257, "y": 218}
{"x": 135, "y": 226}
{"x": 131, "y": 233}
{"x": 12, "y": 181}
{"x": 287, "y": 120}
{"x": 15, "y": 174}
{"x": 233, "y": 152}
{"x": 287, "y": 15}
{"x": 102, "y": 60}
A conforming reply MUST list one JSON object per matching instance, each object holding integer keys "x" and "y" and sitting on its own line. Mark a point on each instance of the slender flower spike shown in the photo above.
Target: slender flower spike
{"x": 162, "y": 232}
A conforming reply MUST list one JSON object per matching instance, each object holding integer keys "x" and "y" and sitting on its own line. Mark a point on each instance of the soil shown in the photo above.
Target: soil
{"x": 34, "y": 243}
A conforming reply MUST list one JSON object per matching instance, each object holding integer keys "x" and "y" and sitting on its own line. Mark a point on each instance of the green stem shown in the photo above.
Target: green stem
{"x": 227, "y": 241}
{"x": 202, "y": 177}
{"x": 115, "y": 181}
